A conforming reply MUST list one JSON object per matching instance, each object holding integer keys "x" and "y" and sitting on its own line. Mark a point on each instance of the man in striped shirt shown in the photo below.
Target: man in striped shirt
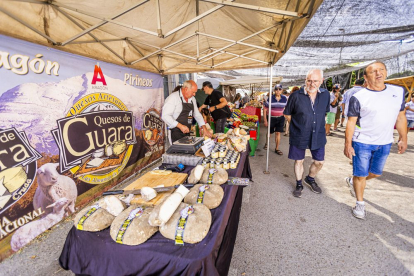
{"x": 277, "y": 120}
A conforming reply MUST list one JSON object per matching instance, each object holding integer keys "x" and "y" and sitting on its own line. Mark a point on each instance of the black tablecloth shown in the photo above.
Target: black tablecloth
{"x": 87, "y": 253}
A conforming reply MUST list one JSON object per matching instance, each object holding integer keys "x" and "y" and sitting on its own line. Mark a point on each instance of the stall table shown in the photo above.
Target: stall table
{"x": 95, "y": 253}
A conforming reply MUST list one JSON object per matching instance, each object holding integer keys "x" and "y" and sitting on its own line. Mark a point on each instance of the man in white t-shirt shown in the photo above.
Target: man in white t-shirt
{"x": 409, "y": 112}
{"x": 372, "y": 114}
{"x": 349, "y": 93}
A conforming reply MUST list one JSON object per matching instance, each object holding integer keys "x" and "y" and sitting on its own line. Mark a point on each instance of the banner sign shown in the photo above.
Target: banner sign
{"x": 70, "y": 129}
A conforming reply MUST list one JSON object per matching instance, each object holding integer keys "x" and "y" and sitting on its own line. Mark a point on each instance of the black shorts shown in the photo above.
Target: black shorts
{"x": 276, "y": 124}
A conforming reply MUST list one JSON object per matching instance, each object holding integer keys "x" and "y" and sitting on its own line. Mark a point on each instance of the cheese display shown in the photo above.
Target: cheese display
{"x": 131, "y": 227}
{"x": 13, "y": 178}
{"x": 209, "y": 195}
{"x": 163, "y": 211}
{"x": 190, "y": 222}
{"x": 100, "y": 215}
{"x": 236, "y": 140}
{"x": 216, "y": 176}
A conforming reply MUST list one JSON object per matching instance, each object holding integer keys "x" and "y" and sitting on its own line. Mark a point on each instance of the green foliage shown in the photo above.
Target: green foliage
{"x": 353, "y": 78}
{"x": 329, "y": 84}
{"x": 400, "y": 75}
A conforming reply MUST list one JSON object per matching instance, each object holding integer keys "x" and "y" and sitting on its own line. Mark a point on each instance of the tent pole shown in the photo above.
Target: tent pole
{"x": 51, "y": 40}
{"x": 268, "y": 121}
{"x": 105, "y": 21}
{"x": 159, "y": 30}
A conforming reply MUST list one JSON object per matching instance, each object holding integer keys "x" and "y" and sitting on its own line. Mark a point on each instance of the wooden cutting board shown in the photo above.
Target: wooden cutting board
{"x": 153, "y": 180}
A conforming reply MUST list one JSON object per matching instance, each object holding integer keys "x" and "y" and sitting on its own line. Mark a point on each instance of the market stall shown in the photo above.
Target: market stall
{"x": 161, "y": 37}
{"x": 95, "y": 253}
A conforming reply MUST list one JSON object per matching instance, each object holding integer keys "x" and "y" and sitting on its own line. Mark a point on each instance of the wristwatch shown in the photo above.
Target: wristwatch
{"x": 215, "y": 107}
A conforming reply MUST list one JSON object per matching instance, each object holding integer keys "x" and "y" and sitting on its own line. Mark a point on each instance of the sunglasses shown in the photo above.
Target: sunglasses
{"x": 278, "y": 89}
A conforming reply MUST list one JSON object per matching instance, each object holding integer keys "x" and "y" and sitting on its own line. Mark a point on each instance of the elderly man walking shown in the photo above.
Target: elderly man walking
{"x": 372, "y": 114}
{"x": 305, "y": 111}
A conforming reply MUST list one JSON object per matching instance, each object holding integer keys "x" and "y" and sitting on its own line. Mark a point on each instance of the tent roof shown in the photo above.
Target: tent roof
{"x": 344, "y": 36}
{"x": 163, "y": 36}
{"x": 251, "y": 80}
{"x": 407, "y": 82}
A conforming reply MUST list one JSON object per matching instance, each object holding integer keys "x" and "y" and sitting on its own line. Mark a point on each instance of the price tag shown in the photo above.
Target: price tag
{"x": 208, "y": 147}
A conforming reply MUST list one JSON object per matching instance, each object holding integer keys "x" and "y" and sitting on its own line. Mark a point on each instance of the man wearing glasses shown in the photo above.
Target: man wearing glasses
{"x": 305, "y": 111}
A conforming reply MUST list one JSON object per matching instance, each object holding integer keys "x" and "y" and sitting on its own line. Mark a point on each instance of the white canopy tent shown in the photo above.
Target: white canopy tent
{"x": 161, "y": 36}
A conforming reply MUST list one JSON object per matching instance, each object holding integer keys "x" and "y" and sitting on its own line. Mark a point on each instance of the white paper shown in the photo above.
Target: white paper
{"x": 208, "y": 147}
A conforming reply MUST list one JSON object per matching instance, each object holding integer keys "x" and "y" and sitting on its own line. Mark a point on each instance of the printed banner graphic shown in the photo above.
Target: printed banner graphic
{"x": 70, "y": 128}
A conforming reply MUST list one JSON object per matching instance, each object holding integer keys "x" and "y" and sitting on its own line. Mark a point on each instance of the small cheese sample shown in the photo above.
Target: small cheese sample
{"x": 148, "y": 193}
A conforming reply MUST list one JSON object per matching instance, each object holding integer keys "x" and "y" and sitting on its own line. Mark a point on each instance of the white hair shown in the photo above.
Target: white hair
{"x": 311, "y": 71}
{"x": 188, "y": 84}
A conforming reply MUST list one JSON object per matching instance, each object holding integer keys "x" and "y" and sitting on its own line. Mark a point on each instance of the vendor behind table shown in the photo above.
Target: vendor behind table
{"x": 217, "y": 106}
{"x": 179, "y": 109}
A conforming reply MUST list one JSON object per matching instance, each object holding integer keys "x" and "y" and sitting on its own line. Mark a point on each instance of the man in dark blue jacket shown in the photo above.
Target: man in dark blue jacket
{"x": 305, "y": 111}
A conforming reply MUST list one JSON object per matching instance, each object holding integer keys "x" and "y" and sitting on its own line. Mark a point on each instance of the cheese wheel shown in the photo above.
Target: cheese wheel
{"x": 197, "y": 226}
{"x": 219, "y": 176}
{"x": 213, "y": 195}
{"x": 138, "y": 229}
{"x": 96, "y": 221}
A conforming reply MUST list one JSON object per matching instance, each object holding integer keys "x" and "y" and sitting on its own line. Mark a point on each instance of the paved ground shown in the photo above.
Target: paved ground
{"x": 317, "y": 234}
{"x": 282, "y": 235}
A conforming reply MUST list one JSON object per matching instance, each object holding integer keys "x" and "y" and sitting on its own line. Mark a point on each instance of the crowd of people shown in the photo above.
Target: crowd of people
{"x": 312, "y": 110}
{"x": 306, "y": 115}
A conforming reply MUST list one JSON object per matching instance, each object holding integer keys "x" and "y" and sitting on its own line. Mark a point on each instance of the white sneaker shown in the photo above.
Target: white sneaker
{"x": 350, "y": 183}
{"x": 359, "y": 211}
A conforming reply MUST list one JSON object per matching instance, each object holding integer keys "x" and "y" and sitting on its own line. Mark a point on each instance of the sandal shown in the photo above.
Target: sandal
{"x": 278, "y": 152}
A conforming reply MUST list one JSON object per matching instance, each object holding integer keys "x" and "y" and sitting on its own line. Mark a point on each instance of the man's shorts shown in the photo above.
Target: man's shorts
{"x": 369, "y": 158}
{"x": 277, "y": 124}
{"x": 330, "y": 118}
{"x": 296, "y": 153}
{"x": 338, "y": 114}
{"x": 410, "y": 123}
